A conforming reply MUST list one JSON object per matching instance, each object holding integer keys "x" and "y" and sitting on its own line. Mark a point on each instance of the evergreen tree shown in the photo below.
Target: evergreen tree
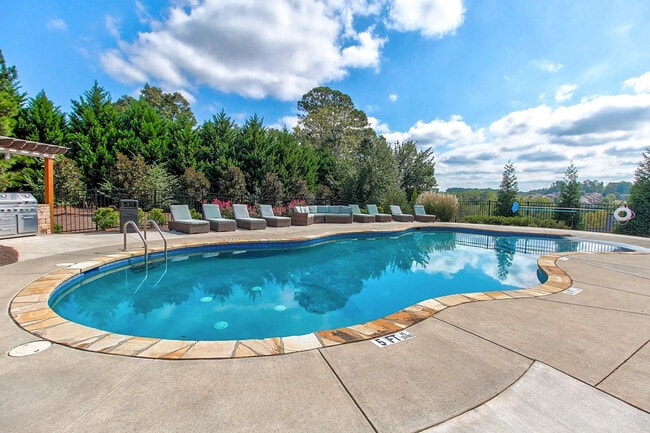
{"x": 569, "y": 198}
{"x": 507, "y": 191}
{"x": 639, "y": 200}
{"x": 92, "y": 135}
{"x": 10, "y": 97}
{"x": 217, "y": 142}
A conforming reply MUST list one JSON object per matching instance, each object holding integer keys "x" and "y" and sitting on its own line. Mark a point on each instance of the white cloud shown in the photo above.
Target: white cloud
{"x": 605, "y": 137}
{"x": 57, "y": 24}
{"x": 257, "y": 49}
{"x": 565, "y": 92}
{"x": 433, "y": 18}
{"x": 392, "y": 97}
{"x": 546, "y": 65}
{"x": 639, "y": 84}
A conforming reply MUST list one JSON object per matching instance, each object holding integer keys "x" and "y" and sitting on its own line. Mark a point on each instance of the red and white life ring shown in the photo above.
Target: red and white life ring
{"x": 623, "y": 214}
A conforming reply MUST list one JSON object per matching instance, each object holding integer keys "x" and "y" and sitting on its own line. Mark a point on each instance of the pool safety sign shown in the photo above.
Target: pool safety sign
{"x": 389, "y": 339}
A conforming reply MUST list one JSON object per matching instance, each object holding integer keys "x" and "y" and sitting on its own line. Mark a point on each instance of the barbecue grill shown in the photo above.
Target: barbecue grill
{"x": 18, "y": 214}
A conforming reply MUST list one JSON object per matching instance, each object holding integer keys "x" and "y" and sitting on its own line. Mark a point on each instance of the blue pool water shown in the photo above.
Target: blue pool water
{"x": 259, "y": 291}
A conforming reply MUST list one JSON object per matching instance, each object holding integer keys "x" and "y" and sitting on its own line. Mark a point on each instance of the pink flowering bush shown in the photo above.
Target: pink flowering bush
{"x": 289, "y": 208}
{"x": 225, "y": 207}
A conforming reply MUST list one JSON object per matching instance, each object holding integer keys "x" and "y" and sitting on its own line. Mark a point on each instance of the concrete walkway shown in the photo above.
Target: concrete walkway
{"x": 549, "y": 364}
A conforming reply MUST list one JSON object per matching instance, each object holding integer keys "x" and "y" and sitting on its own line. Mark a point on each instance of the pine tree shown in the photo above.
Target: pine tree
{"x": 569, "y": 199}
{"x": 640, "y": 200}
{"x": 507, "y": 191}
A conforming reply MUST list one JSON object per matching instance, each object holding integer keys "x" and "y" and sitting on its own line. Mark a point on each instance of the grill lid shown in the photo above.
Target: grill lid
{"x": 16, "y": 198}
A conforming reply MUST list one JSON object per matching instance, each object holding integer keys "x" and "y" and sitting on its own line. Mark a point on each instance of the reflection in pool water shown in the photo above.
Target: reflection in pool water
{"x": 259, "y": 293}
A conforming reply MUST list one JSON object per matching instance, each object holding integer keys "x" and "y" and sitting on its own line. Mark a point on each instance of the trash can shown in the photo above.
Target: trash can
{"x": 128, "y": 212}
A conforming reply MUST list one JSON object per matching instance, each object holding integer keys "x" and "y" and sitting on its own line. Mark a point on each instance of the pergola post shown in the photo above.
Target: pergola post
{"x": 49, "y": 189}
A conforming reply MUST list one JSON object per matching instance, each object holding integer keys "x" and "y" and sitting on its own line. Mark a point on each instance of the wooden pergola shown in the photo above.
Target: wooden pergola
{"x": 16, "y": 146}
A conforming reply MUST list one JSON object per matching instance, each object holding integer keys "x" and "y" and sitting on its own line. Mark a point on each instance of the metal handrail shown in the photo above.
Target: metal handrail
{"x": 144, "y": 241}
{"x": 155, "y": 225}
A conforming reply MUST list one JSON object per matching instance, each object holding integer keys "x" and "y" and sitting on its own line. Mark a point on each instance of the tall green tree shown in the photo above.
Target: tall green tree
{"x": 172, "y": 106}
{"x": 329, "y": 119}
{"x": 334, "y": 127}
{"x": 217, "y": 141}
{"x": 92, "y": 135}
{"x": 508, "y": 191}
{"x": 253, "y": 153}
{"x": 569, "y": 198}
{"x": 639, "y": 200}
{"x": 41, "y": 121}
{"x": 416, "y": 167}
{"x": 141, "y": 130}
{"x": 11, "y": 100}
{"x": 371, "y": 173}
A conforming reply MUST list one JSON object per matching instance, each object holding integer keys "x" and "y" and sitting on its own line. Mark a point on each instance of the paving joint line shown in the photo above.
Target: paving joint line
{"x": 595, "y": 307}
{"x": 356, "y": 403}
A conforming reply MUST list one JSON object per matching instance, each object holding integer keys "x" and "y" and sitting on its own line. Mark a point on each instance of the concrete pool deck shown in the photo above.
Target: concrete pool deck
{"x": 553, "y": 363}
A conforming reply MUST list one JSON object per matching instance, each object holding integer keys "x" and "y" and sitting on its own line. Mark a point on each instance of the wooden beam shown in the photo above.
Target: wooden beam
{"x": 49, "y": 189}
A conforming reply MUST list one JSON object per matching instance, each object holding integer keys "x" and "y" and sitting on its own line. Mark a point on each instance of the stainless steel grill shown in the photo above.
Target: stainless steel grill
{"x": 18, "y": 214}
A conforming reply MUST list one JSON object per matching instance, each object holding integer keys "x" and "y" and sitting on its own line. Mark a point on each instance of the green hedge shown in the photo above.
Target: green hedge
{"x": 514, "y": 221}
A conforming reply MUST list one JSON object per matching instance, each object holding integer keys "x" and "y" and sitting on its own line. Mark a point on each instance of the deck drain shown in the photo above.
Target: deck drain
{"x": 30, "y": 348}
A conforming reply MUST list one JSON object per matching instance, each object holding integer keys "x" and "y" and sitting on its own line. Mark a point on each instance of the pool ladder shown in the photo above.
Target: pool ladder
{"x": 144, "y": 239}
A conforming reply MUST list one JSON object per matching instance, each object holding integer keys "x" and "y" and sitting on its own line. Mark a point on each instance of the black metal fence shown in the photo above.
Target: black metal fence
{"x": 74, "y": 212}
{"x": 594, "y": 218}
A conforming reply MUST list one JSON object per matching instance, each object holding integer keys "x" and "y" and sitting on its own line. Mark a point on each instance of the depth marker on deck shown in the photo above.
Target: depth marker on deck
{"x": 389, "y": 339}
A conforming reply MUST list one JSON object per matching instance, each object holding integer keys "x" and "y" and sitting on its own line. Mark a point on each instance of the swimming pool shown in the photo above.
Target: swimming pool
{"x": 262, "y": 290}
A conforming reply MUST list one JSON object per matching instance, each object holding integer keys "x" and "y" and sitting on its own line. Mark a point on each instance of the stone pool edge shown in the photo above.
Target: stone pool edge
{"x": 30, "y": 310}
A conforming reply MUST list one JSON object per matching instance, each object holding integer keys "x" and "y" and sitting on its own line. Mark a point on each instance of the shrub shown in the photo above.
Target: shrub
{"x": 195, "y": 214}
{"x": 444, "y": 206}
{"x": 158, "y": 216}
{"x": 596, "y": 219}
{"x": 396, "y": 197}
{"x": 106, "y": 217}
{"x": 514, "y": 221}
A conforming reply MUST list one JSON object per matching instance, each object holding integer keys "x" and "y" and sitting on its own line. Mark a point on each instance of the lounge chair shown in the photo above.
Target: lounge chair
{"x": 182, "y": 220}
{"x": 212, "y": 214}
{"x": 359, "y": 217}
{"x": 271, "y": 219}
{"x": 379, "y": 217}
{"x": 397, "y": 214}
{"x": 421, "y": 214}
{"x": 244, "y": 220}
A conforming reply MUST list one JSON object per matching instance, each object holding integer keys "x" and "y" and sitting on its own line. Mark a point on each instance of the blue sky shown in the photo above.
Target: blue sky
{"x": 540, "y": 83}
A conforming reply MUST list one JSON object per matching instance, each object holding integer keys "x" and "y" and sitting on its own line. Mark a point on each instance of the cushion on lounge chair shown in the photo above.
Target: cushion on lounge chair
{"x": 212, "y": 214}
{"x": 274, "y": 221}
{"x": 359, "y": 217}
{"x": 421, "y": 214}
{"x": 397, "y": 214}
{"x": 182, "y": 220}
{"x": 379, "y": 217}
{"x": 244, "y": 221}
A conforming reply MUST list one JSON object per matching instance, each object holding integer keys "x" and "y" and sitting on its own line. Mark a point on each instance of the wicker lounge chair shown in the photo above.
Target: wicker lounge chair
{"x": 421, "y": 214}
{"x": 244, "y": 221}
{"x": 359, "y": 217}
{"x": 397, "y": 214}
{"x": 271, "y": 219}
{"x": 379, "y": 217}
{"x": 212, "y": 214}
{"x": 182, "y": 220}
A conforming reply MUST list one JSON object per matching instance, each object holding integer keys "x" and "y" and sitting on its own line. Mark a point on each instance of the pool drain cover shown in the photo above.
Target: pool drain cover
{"x": 221, "y": 325}
{"x": 30, "y": 348}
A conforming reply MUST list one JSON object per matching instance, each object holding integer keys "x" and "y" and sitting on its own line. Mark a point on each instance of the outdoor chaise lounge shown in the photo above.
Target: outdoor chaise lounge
{"x": 397, "y": 214}
{"x": 244, "y": 220}
{"x": 359, "y": 217}
{"x": 421, "y": 214}
{"x": 212, "y": 214}
{"x": 182, "y": 220}
{"x": 379, "y": 217}
{"x": 271, "y": 219}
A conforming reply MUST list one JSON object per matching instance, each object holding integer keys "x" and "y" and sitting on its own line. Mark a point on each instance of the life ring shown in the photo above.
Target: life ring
{"x": 623, "y": 214}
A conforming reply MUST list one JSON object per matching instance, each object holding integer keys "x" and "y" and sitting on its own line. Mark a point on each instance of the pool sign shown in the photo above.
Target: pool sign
{"x": 389, "y": 339}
